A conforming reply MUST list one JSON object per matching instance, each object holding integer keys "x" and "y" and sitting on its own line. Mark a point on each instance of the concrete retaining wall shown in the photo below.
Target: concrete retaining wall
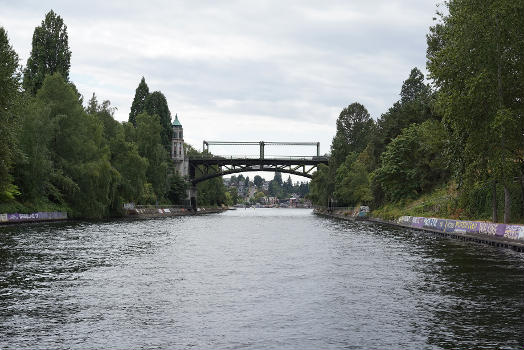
{"x": 33, "y": 217}
{"x": 497, "y": 235}
{"x": 515, "y": 232}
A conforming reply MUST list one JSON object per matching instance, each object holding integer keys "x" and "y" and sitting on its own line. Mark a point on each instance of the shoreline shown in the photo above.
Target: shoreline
{"x": 487, "y": 239}
{"x": 151, "y": 213}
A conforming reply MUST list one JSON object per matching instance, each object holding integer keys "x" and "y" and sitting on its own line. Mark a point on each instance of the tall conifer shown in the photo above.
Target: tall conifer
{"x": 139, "y": 102}
{"x": 49, "y": 54}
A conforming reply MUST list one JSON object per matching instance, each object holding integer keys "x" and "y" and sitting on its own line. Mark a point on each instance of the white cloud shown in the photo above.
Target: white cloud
{"x": 265, "y": 70}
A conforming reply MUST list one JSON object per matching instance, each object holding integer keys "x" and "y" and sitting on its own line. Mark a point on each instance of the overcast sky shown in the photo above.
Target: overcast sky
{"x": 239, "y": 70}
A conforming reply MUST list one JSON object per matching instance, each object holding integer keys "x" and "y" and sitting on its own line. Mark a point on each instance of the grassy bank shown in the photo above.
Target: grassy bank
{"x": 443, "y": 202}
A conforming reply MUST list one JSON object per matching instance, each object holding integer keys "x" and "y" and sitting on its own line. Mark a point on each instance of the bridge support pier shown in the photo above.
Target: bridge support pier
{"x": 192, "y": 196}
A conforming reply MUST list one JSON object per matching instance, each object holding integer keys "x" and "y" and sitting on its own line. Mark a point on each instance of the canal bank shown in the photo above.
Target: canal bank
{"x": 496, "y": 235}
{"x": 166, "y": 211}
{"x": 135, "y": 213}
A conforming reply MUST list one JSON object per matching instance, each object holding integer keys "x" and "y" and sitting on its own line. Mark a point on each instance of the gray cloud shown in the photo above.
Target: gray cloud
{"x": 268, "y": 70}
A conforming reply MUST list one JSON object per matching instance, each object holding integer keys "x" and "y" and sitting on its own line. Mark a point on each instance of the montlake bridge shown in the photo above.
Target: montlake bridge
{"x": 207, "y": 166}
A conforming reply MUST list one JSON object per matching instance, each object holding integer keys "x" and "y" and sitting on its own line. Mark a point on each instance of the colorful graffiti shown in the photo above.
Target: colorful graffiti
{"x": 40, "y": 216}
{"x": 463, "y": 226}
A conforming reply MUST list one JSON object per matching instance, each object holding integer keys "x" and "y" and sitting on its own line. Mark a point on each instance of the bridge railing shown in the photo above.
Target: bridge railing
{"x": 209, "y": 156}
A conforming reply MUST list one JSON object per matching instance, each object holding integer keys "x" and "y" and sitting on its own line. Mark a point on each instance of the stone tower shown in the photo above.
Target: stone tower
{"x": 178, "y": 154}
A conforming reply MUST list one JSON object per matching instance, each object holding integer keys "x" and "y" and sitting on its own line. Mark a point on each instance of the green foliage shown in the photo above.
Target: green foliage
{"x": 148, "y": 139}
{"x": 412, "y": 163}
{"x": 211, "y": 192}
{"x": 232, "y": 195}
{"x": 354, "y": 128}
{"x": 34, "y": 168}
{"x": 49, "y": 54}
{"x": 475, "y": 58}
{"x": 9, "y": 97}
{"x": 321, "y": 186}
{"x": 125, "y": 159}
{"x": 414, "y": 106}
{"x": 82, "y": 170}
{"x": 352, "y": 182}
{"x": 440, "y": 203}
{"x": 156, "y": 104}
{"x": 275, "y": 189}
{"x": 177, "y": 189}
{"x": 258, "y": 181}
{"x": 139, "y": 102}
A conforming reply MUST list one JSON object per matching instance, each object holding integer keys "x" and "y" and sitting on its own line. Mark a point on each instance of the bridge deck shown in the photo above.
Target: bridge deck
{"x": 221, "y": 161}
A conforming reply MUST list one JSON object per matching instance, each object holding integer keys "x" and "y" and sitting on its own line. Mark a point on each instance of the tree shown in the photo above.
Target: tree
{"x": 475, "y": 57}
{"x": 414, "y": 106}
{"x": 274, "y": 188}
{"x": 414, "y": 88}
{"x": 211, "y": 192}
{"x": 139, "y": 102}
{"x": 413, "y": 162}
{"x": 9, "y": 85}
{"x": 288, "y": 186}
{"x": 49, "y": 54}
{"x": 321, "y": 186}
{"x": 258, "y": 181}
{"x": 352, "y": 182}
{"x": 34, "y": 170}
{"x": 259, "y": 195}
{"x": 149, "y": 143}
{"x": 177, "y": 189}
{"x": 82, "y": 173}
{"x": 124, "y": 155}
{"x": 233, "y": 195}
{"x": 278, "y": 178}
{"x": 156, "y": 104}
{"x": 354, "y": 128}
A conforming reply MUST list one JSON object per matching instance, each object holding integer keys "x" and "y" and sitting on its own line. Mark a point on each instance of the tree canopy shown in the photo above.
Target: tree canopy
{"x": 9, "y": 85}
{"x": 50, "y": 52}
{"x": 139, "y": 101}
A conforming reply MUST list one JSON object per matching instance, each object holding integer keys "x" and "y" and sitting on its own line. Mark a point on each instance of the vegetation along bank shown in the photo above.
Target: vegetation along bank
{"x": 499, "y": 235}
{"x": 60, "y": 153}
{"x": 452, "y": 146}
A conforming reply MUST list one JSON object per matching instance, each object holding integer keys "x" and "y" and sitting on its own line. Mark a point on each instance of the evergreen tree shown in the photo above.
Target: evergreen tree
{"x": 278, "y": 178}
{"x": 9, "y": 84}
{"x": 258, "y": 181}
{"x": 139, "y": 102}
{"x": 49, "y": 54}
{"x": 156, "y": 104}
{"x": 414, "y": 106}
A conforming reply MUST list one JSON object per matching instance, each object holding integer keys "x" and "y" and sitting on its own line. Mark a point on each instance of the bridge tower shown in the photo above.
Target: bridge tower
{"x": 178, "y": 154}
{"x": 180, "y": 159}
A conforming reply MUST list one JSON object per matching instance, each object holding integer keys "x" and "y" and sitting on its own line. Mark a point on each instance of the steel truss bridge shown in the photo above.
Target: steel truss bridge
{"x": 207, "y": 166}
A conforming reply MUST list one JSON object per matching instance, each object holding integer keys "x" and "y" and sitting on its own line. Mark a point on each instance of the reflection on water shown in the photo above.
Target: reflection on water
{"x": 254, "y": 278}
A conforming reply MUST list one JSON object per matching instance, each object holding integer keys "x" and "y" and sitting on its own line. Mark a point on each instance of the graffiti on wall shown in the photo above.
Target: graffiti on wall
{"x": 463, "y": 226}
{"x": 40, "y": 216}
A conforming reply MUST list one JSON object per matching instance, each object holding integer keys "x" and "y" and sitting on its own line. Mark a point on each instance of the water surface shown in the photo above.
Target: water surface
{"x": 254, "y": 279}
